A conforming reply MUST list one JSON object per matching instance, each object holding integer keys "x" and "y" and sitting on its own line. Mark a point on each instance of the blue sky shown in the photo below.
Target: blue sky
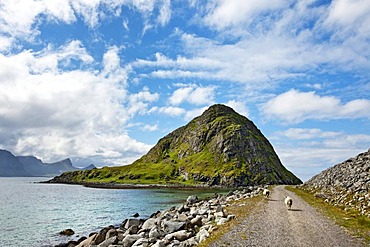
{"x": 102, "y": 81}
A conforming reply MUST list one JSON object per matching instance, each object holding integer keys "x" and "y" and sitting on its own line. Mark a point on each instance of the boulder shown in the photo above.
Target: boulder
{"x": 111, "y": 233}
{"x": 67, "y": 232}
{"x": 172, "y": 226}
{"x": 100, "y": 237}
{"x": 155, "y": 233}
{"x": 197, "y": 221}
{"x": 131, "y": 222}
{"x": 109, "y": 242}
{"x": 181, "y": 235}
{"x": 192, "y": 199}
{"x": 129, "y": 240}
{"x": 87, "y": 242}
{"x": 149, "y": 223}
{"x": 202, "y": 235}
{"x": 141, "y": 242}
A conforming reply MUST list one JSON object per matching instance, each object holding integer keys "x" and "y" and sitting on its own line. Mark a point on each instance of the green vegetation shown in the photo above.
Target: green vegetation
{"x": 220, "y": 147}
{"x": 355, "y": 223}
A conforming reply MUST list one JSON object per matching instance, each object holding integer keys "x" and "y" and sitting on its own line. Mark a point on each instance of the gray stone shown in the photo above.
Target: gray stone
{"x": 192, "y": 199}
{"x": 131, "y": 222}
{"x": 109, "y": 242}
{"x": 149, "y": 223}
{"x": 181, "y": 235}
{"x": 87, "y": 242}
{"x": 172, "y": 226}
{"x": 141, "y": 242}
{"x": 129, "y": 240}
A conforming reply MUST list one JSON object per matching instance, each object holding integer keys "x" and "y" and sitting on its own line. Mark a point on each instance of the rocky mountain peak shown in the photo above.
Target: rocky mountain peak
{"x": 220, "y": 147}
{"x": 224, "y": 142}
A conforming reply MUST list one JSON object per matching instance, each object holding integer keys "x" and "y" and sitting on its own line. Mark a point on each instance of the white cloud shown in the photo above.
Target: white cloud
{"x": 193, "y": 94}
{"x": 148, "y": 127}
{"x": 164, "y": 13}
{"x": 303, "y": 134}
{"x": 295, "y": 106}
{"x": 139, "y": 102}
{"x": 190, "y": 115}
{"x": 52, "y": 113}
{"x": 282, "y": 44}
{"x": 222, "y": 14}
{"x": 5, "y": 43}
{"x": 19, "y": 20}
{"x": 169, "y": 110}
{"x": 59, "y": 10}
{"x": 238, "y": 107}
{"x": 358, "y": 20}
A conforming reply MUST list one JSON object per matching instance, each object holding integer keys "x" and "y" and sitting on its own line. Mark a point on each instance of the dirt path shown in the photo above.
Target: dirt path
{"x": 274, "y": 225}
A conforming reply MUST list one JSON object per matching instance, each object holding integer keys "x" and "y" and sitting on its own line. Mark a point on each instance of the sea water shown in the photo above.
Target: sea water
{"x": 33, "y": 214}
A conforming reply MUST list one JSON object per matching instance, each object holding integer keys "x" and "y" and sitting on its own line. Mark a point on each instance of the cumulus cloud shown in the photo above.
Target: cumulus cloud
{"x": 53, "y": 113}
{"x": 191, "y": 114}
{"x": 239, "y": 107}
{"x": 168, "y": 110}
{"x": 193, "y": 94}
{"x": 223, "y": 13}
{"x": 358, "y": 20}
{"x": 295, "y": 106}
{"x": 139, "y": 102}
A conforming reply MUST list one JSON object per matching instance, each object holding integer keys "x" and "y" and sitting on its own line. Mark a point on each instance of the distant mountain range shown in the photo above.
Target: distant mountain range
{"x": 30, "y": 166}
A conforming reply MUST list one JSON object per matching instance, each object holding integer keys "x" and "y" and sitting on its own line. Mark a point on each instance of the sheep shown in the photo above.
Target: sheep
{"x": 288, "y": 202}
{"x": 266, "y": 193}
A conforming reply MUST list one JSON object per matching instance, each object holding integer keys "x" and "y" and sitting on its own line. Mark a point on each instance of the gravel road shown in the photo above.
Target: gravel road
{"x": 273, "y": 225}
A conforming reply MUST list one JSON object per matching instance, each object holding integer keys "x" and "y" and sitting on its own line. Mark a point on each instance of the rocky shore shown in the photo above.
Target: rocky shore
{"x": 183, "y": 226}
{"x": 345, "y": 185}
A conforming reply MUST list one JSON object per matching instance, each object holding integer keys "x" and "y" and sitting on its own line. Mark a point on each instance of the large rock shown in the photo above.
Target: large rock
{"x": 129, "y": 240}
{"x": 172, "y": 226}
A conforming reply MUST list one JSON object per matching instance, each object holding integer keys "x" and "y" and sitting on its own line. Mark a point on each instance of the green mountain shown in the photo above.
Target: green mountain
{"x": 220, "y": 147}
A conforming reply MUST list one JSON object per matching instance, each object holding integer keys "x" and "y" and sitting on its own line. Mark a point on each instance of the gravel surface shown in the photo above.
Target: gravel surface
{"x": 272, "y": 224}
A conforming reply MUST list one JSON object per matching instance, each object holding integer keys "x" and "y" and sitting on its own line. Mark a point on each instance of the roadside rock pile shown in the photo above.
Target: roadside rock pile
{"x": 346, "y": 185}
{"x": 183, "y": 226}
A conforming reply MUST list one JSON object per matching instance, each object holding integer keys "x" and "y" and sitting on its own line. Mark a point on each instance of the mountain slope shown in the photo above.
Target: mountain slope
{"x": 220, "y": 147}
{"x": 10, "y": 165}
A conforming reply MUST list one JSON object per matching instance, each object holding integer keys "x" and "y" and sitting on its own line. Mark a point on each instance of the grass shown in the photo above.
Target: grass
{"x": 356, "y": 224}
{"x": 241, "y": 209}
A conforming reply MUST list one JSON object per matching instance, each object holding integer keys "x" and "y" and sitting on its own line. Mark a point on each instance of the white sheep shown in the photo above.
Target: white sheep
{"x": 266, "y": 193}
{"x": 288, "y": 202}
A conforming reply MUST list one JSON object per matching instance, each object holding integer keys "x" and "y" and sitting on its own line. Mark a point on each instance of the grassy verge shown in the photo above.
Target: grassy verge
{"x": 352, "y": 221}
{"x": 240, "y": 209}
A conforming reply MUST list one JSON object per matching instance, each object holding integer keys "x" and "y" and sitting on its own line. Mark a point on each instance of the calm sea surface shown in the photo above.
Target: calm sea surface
{"x": 33, "y": 214}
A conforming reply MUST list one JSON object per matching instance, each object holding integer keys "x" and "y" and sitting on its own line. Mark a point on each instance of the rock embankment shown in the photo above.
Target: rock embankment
{"x": 186, "y": 225}
{"x": 346, "y": 185}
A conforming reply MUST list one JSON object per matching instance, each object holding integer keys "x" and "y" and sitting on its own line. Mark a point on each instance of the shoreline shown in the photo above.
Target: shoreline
{"x": 142, "y": 186}
{"x": 186, "y": 225}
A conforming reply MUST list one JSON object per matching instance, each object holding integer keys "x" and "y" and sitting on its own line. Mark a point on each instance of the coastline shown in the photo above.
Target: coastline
{"x": 140, "y": 186}
{"x": 185, "y": 225}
